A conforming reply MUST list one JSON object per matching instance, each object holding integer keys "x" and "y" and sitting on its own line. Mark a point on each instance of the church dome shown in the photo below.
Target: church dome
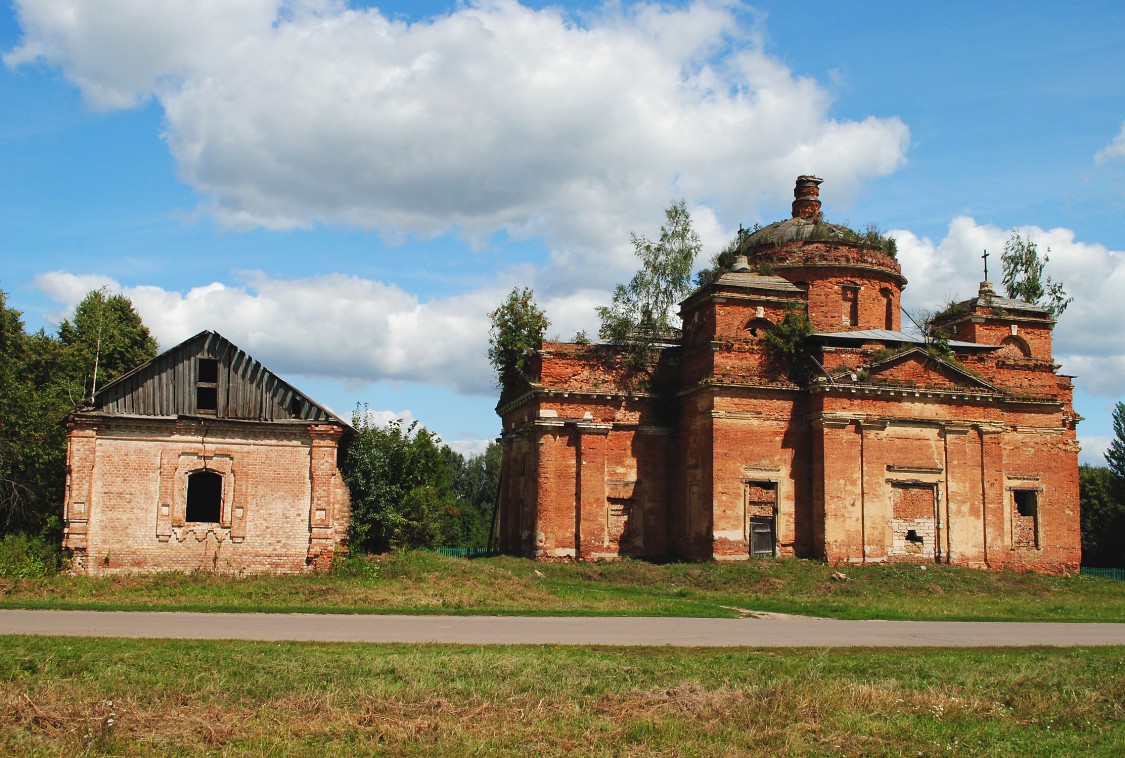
{"x": 853, "y": 279}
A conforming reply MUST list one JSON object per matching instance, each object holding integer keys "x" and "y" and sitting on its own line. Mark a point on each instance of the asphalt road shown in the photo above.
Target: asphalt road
{"x": 774, "y": 631}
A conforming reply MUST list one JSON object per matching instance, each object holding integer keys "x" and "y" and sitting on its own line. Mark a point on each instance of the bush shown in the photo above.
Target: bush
{"x": 25, "y": 557}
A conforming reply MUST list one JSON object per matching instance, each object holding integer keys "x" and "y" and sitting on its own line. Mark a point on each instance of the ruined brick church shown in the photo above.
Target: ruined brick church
{"x": 888, "y": 448}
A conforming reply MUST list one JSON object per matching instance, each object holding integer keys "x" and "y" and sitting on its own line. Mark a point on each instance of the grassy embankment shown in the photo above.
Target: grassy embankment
{"x": 134, "y": 697}
{"x": 418, "y": 582}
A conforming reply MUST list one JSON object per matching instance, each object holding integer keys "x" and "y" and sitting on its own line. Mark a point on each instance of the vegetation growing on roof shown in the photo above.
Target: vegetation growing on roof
{"x": 1024, "y": 277}
{"x": 823, "y": 231}
{"x": 785, "y": 343}
{"x": 640, "y": 315}
{"x": 518, "y": 325}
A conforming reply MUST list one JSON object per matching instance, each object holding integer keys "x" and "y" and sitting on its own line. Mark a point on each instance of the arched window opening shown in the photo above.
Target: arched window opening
{"x": 889, "y": 304}
{"x": 849, "y": 294}
{"x": 758, "y": 327}
{"x": 204, "y": 496}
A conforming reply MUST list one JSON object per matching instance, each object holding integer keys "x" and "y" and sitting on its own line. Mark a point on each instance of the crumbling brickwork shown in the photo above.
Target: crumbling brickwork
{"x": 205, "y": 490}
{"x": 876, "y": 447}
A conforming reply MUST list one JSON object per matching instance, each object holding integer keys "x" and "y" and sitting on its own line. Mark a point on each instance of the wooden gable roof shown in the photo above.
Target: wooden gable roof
{"x": 210, "y": 377}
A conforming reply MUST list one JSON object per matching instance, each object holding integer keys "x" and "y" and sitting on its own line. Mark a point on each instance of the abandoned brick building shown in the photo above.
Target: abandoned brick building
{"x": 889, "y": 448}
{"x": 203, "y": 459}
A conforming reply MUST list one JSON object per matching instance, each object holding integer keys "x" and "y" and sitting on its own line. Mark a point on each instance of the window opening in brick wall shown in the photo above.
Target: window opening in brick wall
{"x": 849, "y": 293}
{"x": 913, "y": 536}
{"x": 204, "y": 496}
{"x": 889, "y": 305}
{"x": 207, "y": 386}
{"x": 759, "y": 326}
{"x": 1026, "y": 518}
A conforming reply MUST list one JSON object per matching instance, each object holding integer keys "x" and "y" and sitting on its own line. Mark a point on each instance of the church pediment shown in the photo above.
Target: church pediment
{"x": 917, "y": 367}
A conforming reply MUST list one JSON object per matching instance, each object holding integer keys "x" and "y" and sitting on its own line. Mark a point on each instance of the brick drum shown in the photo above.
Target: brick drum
{"x": 883, "y": 449}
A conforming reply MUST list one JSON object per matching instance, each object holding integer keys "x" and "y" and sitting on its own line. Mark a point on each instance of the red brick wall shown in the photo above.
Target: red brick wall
{"x": 284, "y": 505}
{"x": 830, "y": 268}
{"x": 837, "y": 456}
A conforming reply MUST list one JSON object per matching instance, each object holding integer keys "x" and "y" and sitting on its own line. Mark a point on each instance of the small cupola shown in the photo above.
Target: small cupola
{"x": 806, "y": 194}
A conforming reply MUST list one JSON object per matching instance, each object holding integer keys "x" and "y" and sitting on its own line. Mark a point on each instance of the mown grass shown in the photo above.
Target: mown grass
{"x": 420, "y": 582}
{"x": 133, "y": 697}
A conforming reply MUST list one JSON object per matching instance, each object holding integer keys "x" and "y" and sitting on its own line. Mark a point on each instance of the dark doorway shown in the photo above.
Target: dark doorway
{"x": 204, "y": 496}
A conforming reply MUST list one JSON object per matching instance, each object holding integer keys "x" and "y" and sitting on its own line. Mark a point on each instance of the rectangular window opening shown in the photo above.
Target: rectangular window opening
{"x": 1026, "y": 518}
{"x": 207, "y": 386}
{"x": 206, "y": 399}
{"x": 208, "y": 370}
{"x": 1027, "y": 502}
{"x": 204, "y": 497}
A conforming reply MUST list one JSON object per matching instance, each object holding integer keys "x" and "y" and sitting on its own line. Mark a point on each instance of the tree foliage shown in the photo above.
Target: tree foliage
{"x": 1102, "y": 504}
{"x": 408, "y": 490}
{"x": 42, "y": 378}
{"x": 640, "y": 313}
{"x": 1025, "y": 279}
{"x": 1115, "y": 453}
{"x": 105, "y": 339}
{"x": 785, "y": 344}
{"x": 518, "y": 326}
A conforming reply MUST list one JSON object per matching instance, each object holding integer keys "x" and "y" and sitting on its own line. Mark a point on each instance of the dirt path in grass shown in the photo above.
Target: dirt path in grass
{"x": 772, "y": 631}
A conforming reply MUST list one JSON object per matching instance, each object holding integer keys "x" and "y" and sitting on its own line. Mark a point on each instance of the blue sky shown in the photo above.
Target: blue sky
{"x": 345, "y": 191}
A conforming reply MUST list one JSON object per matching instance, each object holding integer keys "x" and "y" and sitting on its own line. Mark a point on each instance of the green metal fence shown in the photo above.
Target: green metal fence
{"x": 465, "y": 552}
{"x": 1109, "y": 573}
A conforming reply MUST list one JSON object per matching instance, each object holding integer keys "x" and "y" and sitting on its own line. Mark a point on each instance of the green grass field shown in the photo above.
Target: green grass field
{"x": 64, "y": 696}
{"x": 421, "y": 582}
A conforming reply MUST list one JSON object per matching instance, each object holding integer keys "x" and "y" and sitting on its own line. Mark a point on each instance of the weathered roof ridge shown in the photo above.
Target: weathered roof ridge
{"x": 226, "y": 344}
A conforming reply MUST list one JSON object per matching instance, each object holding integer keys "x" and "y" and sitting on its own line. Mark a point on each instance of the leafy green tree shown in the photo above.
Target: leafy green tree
{"x": 518, "y": 326}
{"x": 401, "y": 487}
{"x": 32, "y": 439}
{"x": 640, "y": 313}
{"x": 42, "y": 378}
{"x": 1024, "y": 277}
{"x": 1102, "y": 504}
{"x": 105, "y": 340}
{"x": 477, "y": 487}
{"x": 1115, "y": 454}
{"x": 16, "y": 496}
{"x": 785, "y": 344}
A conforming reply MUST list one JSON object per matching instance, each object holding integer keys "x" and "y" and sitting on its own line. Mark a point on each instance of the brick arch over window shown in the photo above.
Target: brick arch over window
{"x": 1015, "y": 344}
{"x": 758, "y": 327}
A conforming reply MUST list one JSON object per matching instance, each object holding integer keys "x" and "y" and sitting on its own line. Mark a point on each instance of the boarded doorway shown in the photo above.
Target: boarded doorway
{"x": 761, "y": 518}
{"x": 913, "y": 521}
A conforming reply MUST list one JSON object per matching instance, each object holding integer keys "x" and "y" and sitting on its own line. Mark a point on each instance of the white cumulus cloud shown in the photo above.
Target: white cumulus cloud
{"x": 286, "y": 114}
{"x": 358, "y": 331}
{"x": 1087, "y": 341}
{"x": 1115, "y": 150}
